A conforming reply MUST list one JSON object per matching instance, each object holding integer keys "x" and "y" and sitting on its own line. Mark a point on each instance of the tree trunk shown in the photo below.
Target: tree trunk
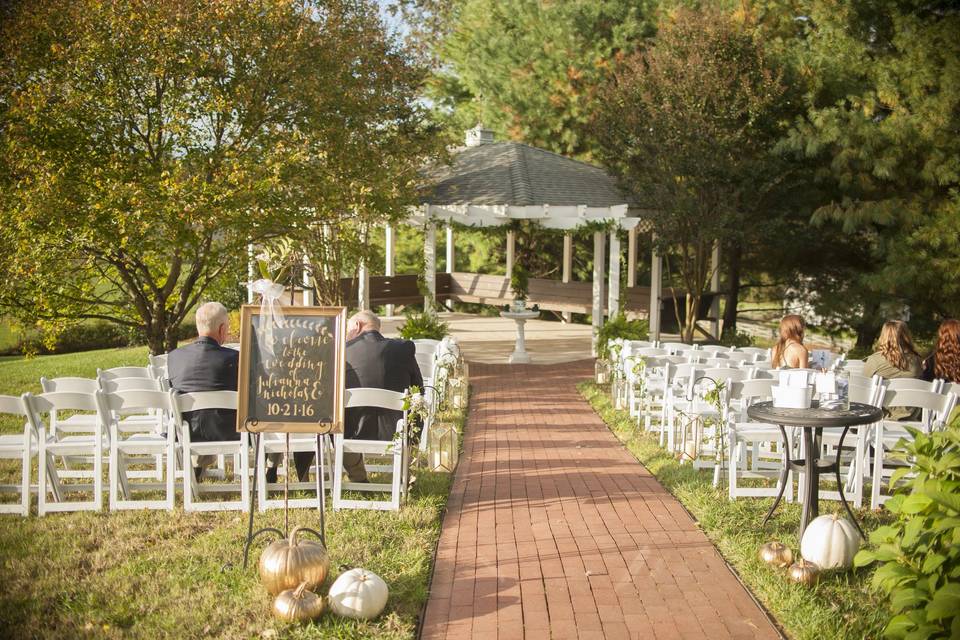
{"x": 156, "y": 339}
{"x": 734, "y": 255}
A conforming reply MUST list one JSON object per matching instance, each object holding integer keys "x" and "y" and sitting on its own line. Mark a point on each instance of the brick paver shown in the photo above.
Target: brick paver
{"x": 554, "y": 530}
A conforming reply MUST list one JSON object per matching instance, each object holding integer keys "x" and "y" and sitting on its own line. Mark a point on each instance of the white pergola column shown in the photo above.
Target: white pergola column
{"x": 567, "y": 267}
{"x": 714, "y": 287}
{"x": 597, "y": 311}
{"x": 511, "y": 251}
{"x": 613, "y": 285}
{"x": 389, "y": 248}
{"x": 632, "y": 257}
{"x": 363, "y": 287}
{"x": 451, "y": 258}
{"x": 250, "y": 272}
{"x": 656, "y": 284}
{"x": 305, "y": 281}
{"x": 430, "y": 264}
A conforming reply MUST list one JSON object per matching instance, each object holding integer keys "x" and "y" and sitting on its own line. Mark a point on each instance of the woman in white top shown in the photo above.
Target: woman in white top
{"x": 789, "y": 352}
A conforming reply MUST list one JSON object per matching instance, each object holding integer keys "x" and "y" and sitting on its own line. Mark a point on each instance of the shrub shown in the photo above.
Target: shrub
{"x": 424, "y": 324}
{"x": 519, "y": 282}
{"x": 619, "y": 327}
{"x": 920, "y": 551}
{"x": 731, "y": 338}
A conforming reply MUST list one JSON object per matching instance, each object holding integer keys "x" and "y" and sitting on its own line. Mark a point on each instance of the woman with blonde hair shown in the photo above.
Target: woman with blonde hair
{"x": 895, "y": 357}
{"x": 789, "y": 352}
{"x": 944, "y": 362}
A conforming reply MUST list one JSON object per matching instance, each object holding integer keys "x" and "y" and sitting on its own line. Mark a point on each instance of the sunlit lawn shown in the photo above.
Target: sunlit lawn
{"x": 154, "y": 574}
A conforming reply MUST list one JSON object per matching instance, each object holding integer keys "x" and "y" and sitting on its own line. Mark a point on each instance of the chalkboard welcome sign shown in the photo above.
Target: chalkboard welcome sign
{"x": 291, "y": 370}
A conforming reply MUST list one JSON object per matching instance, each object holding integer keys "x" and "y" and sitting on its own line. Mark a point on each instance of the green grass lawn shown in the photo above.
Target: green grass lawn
{"x": 154, "y": 574}
{"x": 841, "y": 605}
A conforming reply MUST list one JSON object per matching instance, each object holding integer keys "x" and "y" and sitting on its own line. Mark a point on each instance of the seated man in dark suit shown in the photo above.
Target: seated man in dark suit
{"x": 372, "y": 362}
{"x": 204, "y": 365}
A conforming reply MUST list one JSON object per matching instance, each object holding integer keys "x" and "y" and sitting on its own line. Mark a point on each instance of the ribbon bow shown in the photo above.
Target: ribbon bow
{"x": 271, "y": 317}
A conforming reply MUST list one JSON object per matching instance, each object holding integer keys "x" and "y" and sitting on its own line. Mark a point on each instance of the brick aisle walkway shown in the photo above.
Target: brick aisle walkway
{"x": 554, "y": 530}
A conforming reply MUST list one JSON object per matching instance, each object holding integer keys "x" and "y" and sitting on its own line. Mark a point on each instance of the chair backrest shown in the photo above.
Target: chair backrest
{"x": 158, "y": 362}
{"x": 183, "y": 402}
{"x": 12, "y": 405}
{"x": 854, "y": 366}
{"x": 950, "y": 387}
{"x": 124, "y": 372}
{"x": 233, "y": 345}
{"x": 129, "y": 384}
{"x": 903, "y": 384}
{"x": 866, "y": 393}
{"x": 426, "y": 362}
{"x": 718, "y": 363}
{"x": 738, "y": 356}
{"x": 367, "y": 397}
{"x": 649, "y": 351}
{"x": 751, "y": 390}
{"x": 639, "y": 344}
{"x": 714, "y": 348}
{"x": 726, "y": 374}
{"x": 50, "y": 403}
{"x": 71, "y": 385}
{"x": 936, "y": 406}
{"x": 677, "y": 347}
{"x": 138, "y": 400}
{"x": 756, "y": 352}
{"x": 759, "y": 373}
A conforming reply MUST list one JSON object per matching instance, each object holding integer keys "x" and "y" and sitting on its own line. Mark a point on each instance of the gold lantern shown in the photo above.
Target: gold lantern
{"x": 602, "y": 371}
{"x": 443, "y": 447}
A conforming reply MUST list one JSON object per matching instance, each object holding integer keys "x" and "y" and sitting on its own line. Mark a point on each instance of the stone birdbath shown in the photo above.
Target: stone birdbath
{"x": 519, "y": 355}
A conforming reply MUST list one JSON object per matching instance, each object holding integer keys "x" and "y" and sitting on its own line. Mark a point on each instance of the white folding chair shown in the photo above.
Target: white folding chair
{"x": 275, "y": 444}
{"x": 758, "y": 354}
{"x": 395, "y": 450}
{"x": 20, "y": 447}
{"x": 145, "y": 449}
{"x": 936, "y": 408}
{"x": 89, "y": 447}
{"x": 157, "y": 362}
{"x": 854, "y": 367}
{"x": 78, "y": 422}
{"x": 756, "y": 449}
{"x": 714, "y": 348}
{"x": 704, "y": 417}
{"x": 239, "y": 449}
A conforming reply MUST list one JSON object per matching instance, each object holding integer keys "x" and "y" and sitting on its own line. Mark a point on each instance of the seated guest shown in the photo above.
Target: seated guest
{"x": 204, "y": 365}
{"x": 789, "y": 352}
{"x": 895, "y": 357}
{"x": 372, "y": 362}
{"x": 944, "y": 362}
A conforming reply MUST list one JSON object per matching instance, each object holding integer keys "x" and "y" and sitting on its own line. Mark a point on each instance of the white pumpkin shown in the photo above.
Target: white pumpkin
{"x": 358, "y": 594}
{"x": 830, "y": 542}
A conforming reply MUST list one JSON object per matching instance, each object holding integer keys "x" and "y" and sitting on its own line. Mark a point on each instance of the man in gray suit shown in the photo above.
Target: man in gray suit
{"x": 372, "y": 362}
{"x": 205, "y": 365}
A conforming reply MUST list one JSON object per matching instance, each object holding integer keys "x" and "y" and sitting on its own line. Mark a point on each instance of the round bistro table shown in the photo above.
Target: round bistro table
{"x": 813, "y": 421}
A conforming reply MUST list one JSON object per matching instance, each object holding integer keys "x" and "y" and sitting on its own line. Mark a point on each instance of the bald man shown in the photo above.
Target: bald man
{"x": 372, "y": 362}
{"x": 205, "y": 365}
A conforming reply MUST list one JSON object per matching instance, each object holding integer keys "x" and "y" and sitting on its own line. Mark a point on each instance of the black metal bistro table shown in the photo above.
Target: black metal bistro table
{"x": 813, "y": 421}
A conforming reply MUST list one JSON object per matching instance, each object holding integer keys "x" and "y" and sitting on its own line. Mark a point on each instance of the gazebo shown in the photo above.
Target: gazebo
{"x": 491, "y": 183}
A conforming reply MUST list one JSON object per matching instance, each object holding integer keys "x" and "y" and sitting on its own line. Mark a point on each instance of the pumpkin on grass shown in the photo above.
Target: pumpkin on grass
{"x": 358, "y": 594}
{"x": 777, "y": 554}
{"x": 830, "y": 542}
{"x": 298, "y": 605}
{"x": 287, "y": 563}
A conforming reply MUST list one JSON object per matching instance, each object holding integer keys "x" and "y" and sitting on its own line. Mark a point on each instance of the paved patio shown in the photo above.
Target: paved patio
{"x": 490, "y": 339}
{"x": 554, "y": 530}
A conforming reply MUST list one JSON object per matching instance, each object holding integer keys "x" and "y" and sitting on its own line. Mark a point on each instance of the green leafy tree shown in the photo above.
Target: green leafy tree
{"x": 882, "y": 125}
{"x": 145, "y": 144}
{"x": 689, "y": 125}
{"x": 530, "y": 70}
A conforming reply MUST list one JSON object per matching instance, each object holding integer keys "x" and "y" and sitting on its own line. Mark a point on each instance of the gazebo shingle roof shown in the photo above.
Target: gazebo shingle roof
{"x": 512, "y": 173}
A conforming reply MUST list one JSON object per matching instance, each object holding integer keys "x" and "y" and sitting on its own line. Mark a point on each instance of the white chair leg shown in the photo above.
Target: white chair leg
{"x": 25, "y": 479}
{"x": 114, "y": 471}
{"x": 42, "y": 476}
{"x": 877, "y": 467}
{"x": 171, "y": 473}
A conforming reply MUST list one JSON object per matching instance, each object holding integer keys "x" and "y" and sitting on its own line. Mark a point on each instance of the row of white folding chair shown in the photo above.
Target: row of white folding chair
{"x": 22, "y": 447}
{"x": 123, "y": 451}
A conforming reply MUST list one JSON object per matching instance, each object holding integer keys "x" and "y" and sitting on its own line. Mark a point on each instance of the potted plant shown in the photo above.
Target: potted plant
{"x": 519, "y": 285}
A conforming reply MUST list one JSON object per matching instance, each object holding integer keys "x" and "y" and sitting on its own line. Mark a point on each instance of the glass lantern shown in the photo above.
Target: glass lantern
{"x": 443, "y": 447}
{"x": 602, "y": 371}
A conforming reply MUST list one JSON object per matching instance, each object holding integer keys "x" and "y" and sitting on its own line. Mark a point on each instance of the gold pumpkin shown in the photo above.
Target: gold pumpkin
{"x": 804, "y": 572}
{"x": 777, "y": 554}
{"x": 287, "y": 563}
{"x": 298, "y": 605}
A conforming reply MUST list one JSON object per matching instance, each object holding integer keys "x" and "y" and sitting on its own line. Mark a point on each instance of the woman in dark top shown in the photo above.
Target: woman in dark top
{"x": 944, "y": 362}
